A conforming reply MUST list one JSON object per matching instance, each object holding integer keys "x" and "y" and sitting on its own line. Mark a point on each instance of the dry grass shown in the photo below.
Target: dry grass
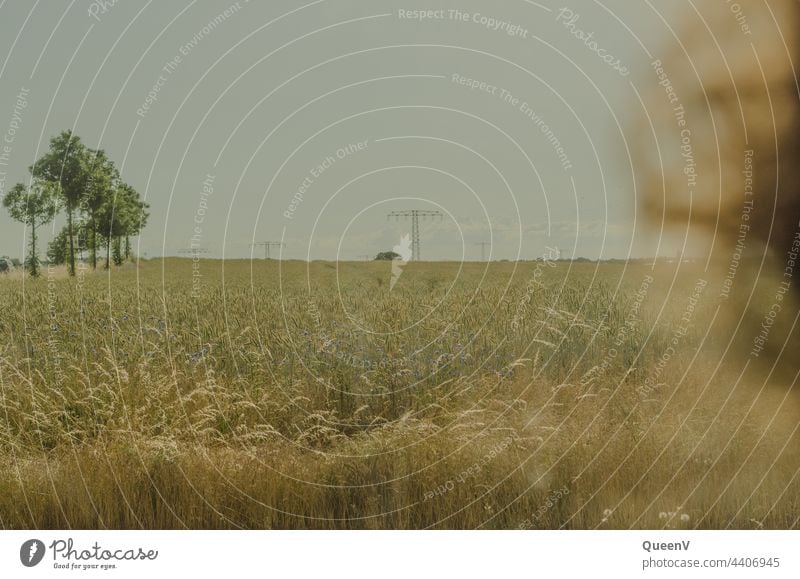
{"x": 126, "y": 402}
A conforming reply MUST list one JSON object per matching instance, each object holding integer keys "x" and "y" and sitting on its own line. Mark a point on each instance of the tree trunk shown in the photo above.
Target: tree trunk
{"x": 127, "y": 247}
{"x": 71, "y": 243}
{"x": 34, "y": 269}
{"x": 117, "y": 253}
{"x": 94, "y": 243}
{"x": 108, "y": 252}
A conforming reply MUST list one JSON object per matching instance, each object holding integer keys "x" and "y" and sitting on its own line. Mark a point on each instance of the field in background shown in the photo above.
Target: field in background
{"x": 292, "y": 395}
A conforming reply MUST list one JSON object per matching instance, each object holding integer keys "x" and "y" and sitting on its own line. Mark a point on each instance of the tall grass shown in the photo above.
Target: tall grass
{"x": 293, "y": 395}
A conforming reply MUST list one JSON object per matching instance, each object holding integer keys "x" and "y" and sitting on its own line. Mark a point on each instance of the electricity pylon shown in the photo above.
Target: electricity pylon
{"x": 267, "y": 245}
{"x": 415, "y": 215}
{"x": 483, "y": 245}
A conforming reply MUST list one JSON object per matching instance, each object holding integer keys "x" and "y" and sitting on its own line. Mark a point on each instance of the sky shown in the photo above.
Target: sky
{"x": 309, "y": 123}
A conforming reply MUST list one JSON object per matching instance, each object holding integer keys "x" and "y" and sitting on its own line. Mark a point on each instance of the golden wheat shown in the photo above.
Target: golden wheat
{"x": 259, "y": 401}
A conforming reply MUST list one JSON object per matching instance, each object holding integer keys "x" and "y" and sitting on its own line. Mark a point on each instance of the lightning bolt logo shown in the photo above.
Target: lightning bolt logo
{"x": 31, "y": 552}
{"x": 403, "y": 249}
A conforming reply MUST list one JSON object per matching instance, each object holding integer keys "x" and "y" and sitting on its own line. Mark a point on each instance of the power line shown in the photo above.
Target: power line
{"x": 193, "y": 251}
{"x": 267, "y": 245}
{"x": 415, "y": 215}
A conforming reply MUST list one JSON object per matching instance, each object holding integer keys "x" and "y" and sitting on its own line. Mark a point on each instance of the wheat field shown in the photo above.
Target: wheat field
{"x": 267, "y": 394}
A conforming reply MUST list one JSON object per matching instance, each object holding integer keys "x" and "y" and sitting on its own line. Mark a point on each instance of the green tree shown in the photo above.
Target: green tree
{"x": 100, "y": 189}
{"x": 58, "y": 248}
{"x": 133, "y": 218}
{"x": 110, "y": 226}
{"x": 66, "y": 164}
{"x": 124, "y": 214}
{"x": 33, "y": 206}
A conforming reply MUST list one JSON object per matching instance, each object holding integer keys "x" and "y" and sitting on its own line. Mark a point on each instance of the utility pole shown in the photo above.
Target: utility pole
{"x": 365, "y": 257}
{"x": 414, "y": 215}
{"x": 267, "y": 245}
{"x": 483, "y": 245}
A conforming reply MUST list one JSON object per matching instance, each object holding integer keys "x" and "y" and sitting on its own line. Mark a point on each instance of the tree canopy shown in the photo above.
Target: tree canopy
{"x": 101, "y": 209}
{"x": 34, "y": 205}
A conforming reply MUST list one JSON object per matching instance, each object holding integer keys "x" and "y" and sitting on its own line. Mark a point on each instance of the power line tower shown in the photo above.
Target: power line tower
{"x": 415, "y": 215}
{"x": 484, "y": 245}
{"x": 267, "y": 245}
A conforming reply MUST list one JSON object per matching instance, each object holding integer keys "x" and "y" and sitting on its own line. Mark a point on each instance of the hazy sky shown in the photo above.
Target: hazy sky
{"x": 312, "y": 121}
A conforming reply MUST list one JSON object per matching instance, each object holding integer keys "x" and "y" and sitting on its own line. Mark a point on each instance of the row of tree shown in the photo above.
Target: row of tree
{"x": 102, "y": 211}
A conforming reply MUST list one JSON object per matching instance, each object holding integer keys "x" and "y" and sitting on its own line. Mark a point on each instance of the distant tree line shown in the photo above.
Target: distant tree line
{"x": 387, "y": 256}
{"x": 102, "y": 211}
